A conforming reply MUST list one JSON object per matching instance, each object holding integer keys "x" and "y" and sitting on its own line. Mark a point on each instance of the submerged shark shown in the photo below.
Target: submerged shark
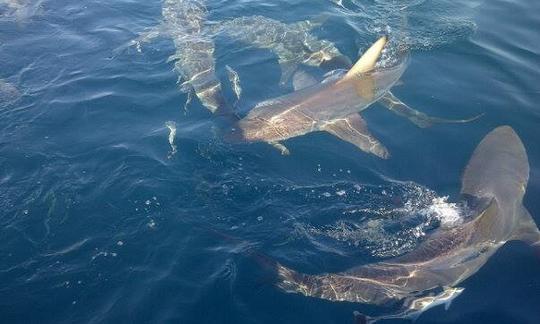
{"x": 334, "y": 106}
{"x": 493, "y": 185}
{"x": 184, "y": 22}
{"x": 19, "y": 10}
{"x": 293, "y": 43}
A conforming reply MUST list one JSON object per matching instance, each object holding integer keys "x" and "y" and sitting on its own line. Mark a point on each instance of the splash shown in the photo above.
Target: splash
{"x": 341, "y": 218}
{"x": 392, "y": 220}
{"x": 449, "y": 214}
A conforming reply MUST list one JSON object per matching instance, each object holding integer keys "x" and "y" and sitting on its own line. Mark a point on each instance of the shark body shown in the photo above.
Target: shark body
{"x": 494, "y": 182}
{"x": 292, "y": 43}
{"x": 330, "y": 106}
{"x": 334, "y": 104}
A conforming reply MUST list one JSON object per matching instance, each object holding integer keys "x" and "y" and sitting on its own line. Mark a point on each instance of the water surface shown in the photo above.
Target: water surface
{"x": 105, "y": 216}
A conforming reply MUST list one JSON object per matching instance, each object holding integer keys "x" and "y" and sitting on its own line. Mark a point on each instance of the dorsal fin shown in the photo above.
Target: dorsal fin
{"x": 367, "y": 62}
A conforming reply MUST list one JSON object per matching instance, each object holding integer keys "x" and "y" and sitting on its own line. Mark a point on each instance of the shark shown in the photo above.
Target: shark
{"x": 292, "y": 43}
{"x": 296, "y": 47}
{"x": 333, "y": 105}
{"x": 493, "y": 185}
{"x": 184, "y": 21}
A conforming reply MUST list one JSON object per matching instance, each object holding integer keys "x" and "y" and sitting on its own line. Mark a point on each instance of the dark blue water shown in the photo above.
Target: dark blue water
{"x": 102, "y": 220}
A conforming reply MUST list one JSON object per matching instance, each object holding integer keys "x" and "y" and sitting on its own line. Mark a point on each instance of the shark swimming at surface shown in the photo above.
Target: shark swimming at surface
{"x": 185, "y": 22}
{"x": 493, "y": 185}
{"x": 334, "y": 105}
{"x": 331, "y": 106}
{"x": 296, "y": 47}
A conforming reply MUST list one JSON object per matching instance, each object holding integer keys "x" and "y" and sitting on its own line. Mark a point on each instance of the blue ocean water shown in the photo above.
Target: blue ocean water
{"x": 107, "y": 216}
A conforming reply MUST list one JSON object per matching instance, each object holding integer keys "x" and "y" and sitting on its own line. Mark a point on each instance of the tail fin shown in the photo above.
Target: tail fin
{"x": 391, "y": 102}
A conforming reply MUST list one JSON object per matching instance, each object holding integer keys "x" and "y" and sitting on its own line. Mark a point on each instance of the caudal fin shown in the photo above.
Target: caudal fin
{"x": 392, "y": 103}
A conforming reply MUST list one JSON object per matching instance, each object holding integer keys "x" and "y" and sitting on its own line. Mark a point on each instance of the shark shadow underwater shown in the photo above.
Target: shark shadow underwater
{"x": 493, "y": 185}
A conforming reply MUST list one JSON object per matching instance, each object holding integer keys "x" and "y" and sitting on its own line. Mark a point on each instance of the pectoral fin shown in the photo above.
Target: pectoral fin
{"x": 416, "y": 117}
{"x": 353, "y": 129}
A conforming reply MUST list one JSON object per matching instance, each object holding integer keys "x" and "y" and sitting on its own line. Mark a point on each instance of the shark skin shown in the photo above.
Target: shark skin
{"x": 185, "y": 23}
{"x": 332, "y": 106}
{"x": 494, "y": 183}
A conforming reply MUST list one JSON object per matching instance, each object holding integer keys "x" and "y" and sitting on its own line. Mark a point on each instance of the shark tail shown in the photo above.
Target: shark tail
{"x": 392, "y": 103}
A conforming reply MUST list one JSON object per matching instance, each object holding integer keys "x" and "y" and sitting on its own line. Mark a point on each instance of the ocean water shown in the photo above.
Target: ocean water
{"x": 120, "y": 203}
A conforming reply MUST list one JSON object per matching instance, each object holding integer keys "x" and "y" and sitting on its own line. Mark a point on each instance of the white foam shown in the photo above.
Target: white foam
{"x": 449, "y": 214}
